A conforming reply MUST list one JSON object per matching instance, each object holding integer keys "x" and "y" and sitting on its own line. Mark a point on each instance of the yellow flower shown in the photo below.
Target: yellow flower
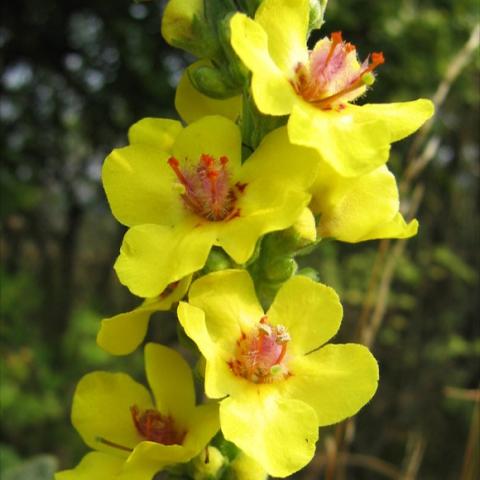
{"x": 359, "y": 208}
{"x": 280, "y": 384}
{"x": 316, "y": 87}
{"x": 134, "y": 436}
{"x": 182, "y": 190}
{"x": 123, "y": 333}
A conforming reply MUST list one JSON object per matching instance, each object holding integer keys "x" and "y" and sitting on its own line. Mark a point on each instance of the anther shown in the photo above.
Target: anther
{"x": 335, "y": 39}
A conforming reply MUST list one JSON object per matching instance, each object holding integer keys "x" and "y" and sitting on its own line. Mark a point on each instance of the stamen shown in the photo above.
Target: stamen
{"x": 333, "y": 73}
{"x": 208, "y": 191}
{"x": 173, "y": 162}
{"x": 113, "y": 444}
{"x": 154, "y": 426}
{"x": 335, "y": 39}
{"x": 377, "y": 59}
{"x": 260, "y": 355}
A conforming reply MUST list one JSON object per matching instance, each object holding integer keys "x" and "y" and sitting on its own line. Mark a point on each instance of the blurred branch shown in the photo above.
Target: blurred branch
{"x": 368, "y": 462}
{"x": 462, "y": 393}
{"x": 471, "y": 460}
{"x": 370, "y": 331}
{"x": 416, "y": 163}
{"x": 415, "y": 452}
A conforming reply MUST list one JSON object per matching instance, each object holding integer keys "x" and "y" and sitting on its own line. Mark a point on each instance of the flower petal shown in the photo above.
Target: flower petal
{"x": 286, "y": 25}
{"x": 219, "y": 379}
{"x": 353, "y": 209}
{"x": 101, "y": 410}
{"x": 402, "y": 118}
{"x": 214, "y": 135}
{"x": 271, "y": 89}
{"x": 310, "y": 311}
{"x": 138, "y": 182}
{"x": 148, "y": 458}
{"x": 267, "y": 204}
{"x": 159, "y": 133}
{"x": 170, "y": 379}
{"x": 193, "y": 105}
{"x": 351, "y": 141}
{"x": 230, "y": 304}
{"x": 278, "y": 432}
{"x": 395, "y": 228}
{"x": 204, "y": 423}
{"x": 264, "y": 208}
{"x": 336, "y": 381}
{"x": 94, "y": 466}
{"x": 123, "y": 333}
{"x": 153, "y": 256}
{"x": 278, "y": 160}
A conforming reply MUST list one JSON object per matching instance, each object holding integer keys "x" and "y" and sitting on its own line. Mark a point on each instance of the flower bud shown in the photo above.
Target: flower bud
{"x": 217, "y": 260}
{"x": 208, "y": 464}
{"x": 317, "y": 12}
{"x": 310, "y": 273}
{"x": 184, "y": 26}
{"x": 304, "y": 228}
{"x": 280, "y": 269}
{"x": 211, "y": 82}
{"x": 245, "y": 468}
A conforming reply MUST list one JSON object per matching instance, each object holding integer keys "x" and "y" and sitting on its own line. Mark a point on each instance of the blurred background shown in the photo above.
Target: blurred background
{"x": 75, "y": 75}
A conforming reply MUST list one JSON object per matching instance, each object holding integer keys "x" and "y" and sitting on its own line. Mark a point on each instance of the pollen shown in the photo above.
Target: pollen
{"x": 261, "y": 355}
{"x": 154, "y": 426}
{"x": 333, "y": 75}
{"x": 208, "y": 189}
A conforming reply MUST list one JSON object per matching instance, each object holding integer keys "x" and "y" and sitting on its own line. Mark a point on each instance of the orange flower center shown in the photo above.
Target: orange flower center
{"x": 154, "y": 426}
{"x": 332, "y": 76}
{"x": 209, "y": 192}
{"x": 260, "y": 356}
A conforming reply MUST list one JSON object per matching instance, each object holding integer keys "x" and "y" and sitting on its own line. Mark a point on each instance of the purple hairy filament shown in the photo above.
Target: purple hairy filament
{"x": 208, "y": 190}
{"x": 333, "y": 76}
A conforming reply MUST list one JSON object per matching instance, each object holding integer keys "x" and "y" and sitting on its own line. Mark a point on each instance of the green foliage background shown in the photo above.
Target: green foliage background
{"x": 75, "y": 76}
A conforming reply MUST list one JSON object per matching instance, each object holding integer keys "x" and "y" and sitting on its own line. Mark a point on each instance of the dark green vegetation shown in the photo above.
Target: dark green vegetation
{"x": 75, "y": 75}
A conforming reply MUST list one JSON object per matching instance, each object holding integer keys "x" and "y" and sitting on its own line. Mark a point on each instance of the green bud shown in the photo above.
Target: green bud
{"x": 184, "y": 26}
{"x": 208, "y": 464}
{"x": 212, "y": 82}
{"x": 245, "y": 468}
{"x": 217, "y": 260}
{"x": 310, "y": 273}
{"x": 280, "y": 269}
{"x": 237, "y": 72}
{"x": 317, "y": 12}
